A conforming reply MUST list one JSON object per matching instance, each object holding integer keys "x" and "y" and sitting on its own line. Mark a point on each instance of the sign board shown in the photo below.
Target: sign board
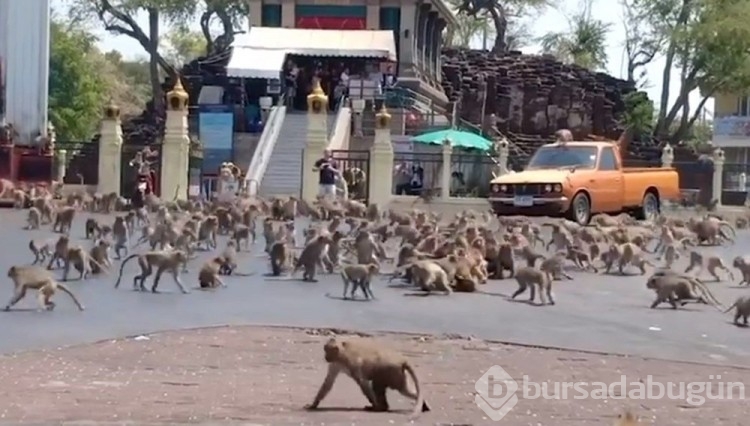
{"x": 216, "y": 130}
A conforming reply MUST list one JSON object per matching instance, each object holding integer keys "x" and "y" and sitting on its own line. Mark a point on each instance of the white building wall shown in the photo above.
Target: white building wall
{"x": 24, "y": 48}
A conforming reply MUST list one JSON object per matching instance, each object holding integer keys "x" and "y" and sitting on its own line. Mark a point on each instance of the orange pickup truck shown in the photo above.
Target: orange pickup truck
{"x": 579, "y": 179}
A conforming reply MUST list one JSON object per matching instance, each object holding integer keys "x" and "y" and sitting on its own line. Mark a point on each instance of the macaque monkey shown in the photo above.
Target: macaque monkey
{"x": 36, "y": 278}
{"x": 99, "y": 255}
{"x": 580, "y": 258}
{"x": 41, "y": 251}
{"x": 161, "y": 261}
{"x": 711, "y": 263}
{"x": 61, "y": 251}
{"x": 553, "y": 267}
{"x": 64, "y": 220}
{"x": 81, "y": 260}
{"x": 429, "y": 276}
{"x": 742, "y": 306}
{"x": 281, "y": 258}
{"x": 743, "y": 264}
{"x": 230, "y": 258}
{"x": 33, "y": 219}
{"x": 92, "y": 228}
{"x": 242, "y": 233}
{"x": 208, "y": 276}
{"x": 359, "y": 276}
{"x": 120, "y": 234}
{"x": 311, "y": 256}
{"x": 374, "y": 368}
{"x": 670, "y": 255}
{"x": 531, "y": 278}
{"x": 672, "y": 288}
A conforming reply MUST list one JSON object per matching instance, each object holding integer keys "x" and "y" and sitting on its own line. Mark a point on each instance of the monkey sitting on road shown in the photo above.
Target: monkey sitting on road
{"x": 359, "y": 276}
{"x": 92, "y": 228}
{"x": 531, "y": 278}
{"x": 742, "y": 306}
{"x": 710, "y": 263}
{"x": 208, "y": 276}
{"x": 34, "y": 219}
{"x": 429, "y": 276}
{"x": 161, "y": 261}
{"x": 374, "y": 368}
{"x": 35, "y": 278}
{"x": 99, "y": 255}
{"x": 229, "y": 256}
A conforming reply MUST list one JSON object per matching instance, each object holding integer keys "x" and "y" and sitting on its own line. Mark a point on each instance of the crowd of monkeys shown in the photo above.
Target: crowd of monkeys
{"x": 433, "y": 254}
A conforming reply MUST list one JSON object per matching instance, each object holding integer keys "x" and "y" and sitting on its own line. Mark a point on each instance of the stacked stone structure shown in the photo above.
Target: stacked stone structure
{"x": 532, "y": 96}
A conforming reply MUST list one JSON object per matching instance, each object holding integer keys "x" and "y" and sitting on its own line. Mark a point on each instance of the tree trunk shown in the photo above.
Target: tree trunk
{"x": 153, "y": 49}
{"x": 501, "y": 28}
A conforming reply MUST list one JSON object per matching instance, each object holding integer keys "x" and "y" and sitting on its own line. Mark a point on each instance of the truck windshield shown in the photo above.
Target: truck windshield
{"x": 555, "y": 157}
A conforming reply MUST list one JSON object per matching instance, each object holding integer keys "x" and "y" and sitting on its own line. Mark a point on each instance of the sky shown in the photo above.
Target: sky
{"x": 605, "y": 10}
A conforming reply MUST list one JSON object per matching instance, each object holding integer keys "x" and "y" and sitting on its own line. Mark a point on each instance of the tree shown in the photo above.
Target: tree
{"x": 642, "y": 42}
{"x": 584, "y": 44}
{"x": 184, "y": 45}
{"x": 503, "y": 14}
{"x": 231, "y": 14}
{"x": 128, "y": 82}
{"x": 709, "y": 43}
{"x": 77, "y": 88}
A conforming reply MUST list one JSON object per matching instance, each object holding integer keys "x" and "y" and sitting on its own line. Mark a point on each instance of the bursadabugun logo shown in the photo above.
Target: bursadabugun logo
{"x": 496, "y": 393}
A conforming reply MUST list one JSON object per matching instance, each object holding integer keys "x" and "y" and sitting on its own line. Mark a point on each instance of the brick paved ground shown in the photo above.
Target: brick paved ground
{"x": 265, "y": 376}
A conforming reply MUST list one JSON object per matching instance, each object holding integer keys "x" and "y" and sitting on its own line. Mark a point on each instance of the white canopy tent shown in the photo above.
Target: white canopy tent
{"x": 252, "y": 62}
{"x": 260, "y": 53}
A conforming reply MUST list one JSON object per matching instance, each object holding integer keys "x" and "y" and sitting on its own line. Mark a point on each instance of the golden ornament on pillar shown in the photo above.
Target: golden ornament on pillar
{"x": 112, "y": 111}
{"x": 383, "y": 118}
{"x": 317, "y": 101}
{"x": 177, "y": 98}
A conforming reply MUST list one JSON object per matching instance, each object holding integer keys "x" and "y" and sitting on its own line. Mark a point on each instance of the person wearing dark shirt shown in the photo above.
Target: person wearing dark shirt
{"x": 328, "y": 172}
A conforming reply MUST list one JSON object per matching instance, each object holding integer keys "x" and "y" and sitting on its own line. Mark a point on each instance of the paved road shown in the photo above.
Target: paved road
{"x": 593, "y": 312}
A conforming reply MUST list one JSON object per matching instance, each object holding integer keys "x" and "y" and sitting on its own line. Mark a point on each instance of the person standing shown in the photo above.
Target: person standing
{"x": 328, "y": 172}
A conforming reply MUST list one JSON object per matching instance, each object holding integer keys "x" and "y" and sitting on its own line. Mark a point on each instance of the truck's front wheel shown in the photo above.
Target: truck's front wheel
{"x": 580, "y": 209}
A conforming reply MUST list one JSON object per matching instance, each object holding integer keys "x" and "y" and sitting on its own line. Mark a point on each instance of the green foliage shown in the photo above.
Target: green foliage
{"x": 639, "y": 113}
{"x": 77, "y": 89}
{"x": 584, "y": 44}
{"x": 708, "y": 42}
{"x": 184, "y": 45}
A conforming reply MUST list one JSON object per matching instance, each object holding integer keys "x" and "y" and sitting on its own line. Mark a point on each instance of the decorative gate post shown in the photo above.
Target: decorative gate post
{"x": 358, "y": 107}
{"x": 317, "y": 140}
{"x": 445, "y": 170}
{"x": 718, "y": 157}
{"x": 175, "y": 149}
{"x": 381, "y": 161}
{"x": 110, "y": 151}
{"x": 667, "y": 156}
{"x": 502, "y": 149}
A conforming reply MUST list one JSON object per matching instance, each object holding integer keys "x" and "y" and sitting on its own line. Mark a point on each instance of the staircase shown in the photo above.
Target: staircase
{"x": 283, "y": 174}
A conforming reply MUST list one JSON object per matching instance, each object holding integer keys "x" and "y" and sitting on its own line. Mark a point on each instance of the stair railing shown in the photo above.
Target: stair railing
{"x": 338, "y": 139}
{"x": 263, "y": 151}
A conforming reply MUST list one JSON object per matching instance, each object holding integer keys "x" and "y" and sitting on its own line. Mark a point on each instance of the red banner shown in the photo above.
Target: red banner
{"x": 331, "y": 23}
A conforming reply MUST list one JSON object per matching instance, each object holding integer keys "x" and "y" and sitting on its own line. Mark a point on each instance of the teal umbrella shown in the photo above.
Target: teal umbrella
{"x": 458, "y": 138}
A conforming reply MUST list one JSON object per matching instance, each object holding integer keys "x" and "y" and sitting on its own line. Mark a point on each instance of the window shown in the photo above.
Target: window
{"x": 557, "y": 156}
{"x": 743, "y": 106}
{"x": 608, "y": 160}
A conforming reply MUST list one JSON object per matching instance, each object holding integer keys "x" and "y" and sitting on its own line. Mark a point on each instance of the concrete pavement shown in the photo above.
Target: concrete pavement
{"x": 593, "y": 312}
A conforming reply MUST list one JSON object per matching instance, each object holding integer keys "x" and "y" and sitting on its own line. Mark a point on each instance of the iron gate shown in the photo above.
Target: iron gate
{"x": 129, "y": 167}
{"x": 355, "y": 169}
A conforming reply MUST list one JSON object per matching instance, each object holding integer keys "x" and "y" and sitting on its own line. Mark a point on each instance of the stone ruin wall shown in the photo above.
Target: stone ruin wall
{"x": 532, "y": 96}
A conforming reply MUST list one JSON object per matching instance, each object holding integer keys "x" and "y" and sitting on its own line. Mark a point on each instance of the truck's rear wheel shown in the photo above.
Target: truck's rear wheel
{"x": 649, "y": 207}
{"x": 580, "y": 209}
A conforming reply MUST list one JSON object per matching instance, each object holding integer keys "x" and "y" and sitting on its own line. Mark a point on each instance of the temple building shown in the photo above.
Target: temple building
{"x": 416, "y": 26}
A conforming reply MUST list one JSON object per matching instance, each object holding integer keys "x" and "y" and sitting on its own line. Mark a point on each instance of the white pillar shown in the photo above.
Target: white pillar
{"x": 110, "y": 151}
{"x": 445, "y": 171}
{"x": 358, "y": 108}
{"x": 381, "y": 161}
{"x": 265, "y": 102}
{"x": 718, "y": 157}
{"x": 176, "y": 146}
{"x": 502, "y": 148}
{"x": 317, "y": 140}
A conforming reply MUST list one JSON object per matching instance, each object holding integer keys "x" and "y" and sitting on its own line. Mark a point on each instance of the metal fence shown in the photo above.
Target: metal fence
{"x": 355, "y": 170}
{"x": 734, "y": 184}
{"x": 416, "y": 173}
{"x": 471, "y": 173}
{"x": 81, "y": 162}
